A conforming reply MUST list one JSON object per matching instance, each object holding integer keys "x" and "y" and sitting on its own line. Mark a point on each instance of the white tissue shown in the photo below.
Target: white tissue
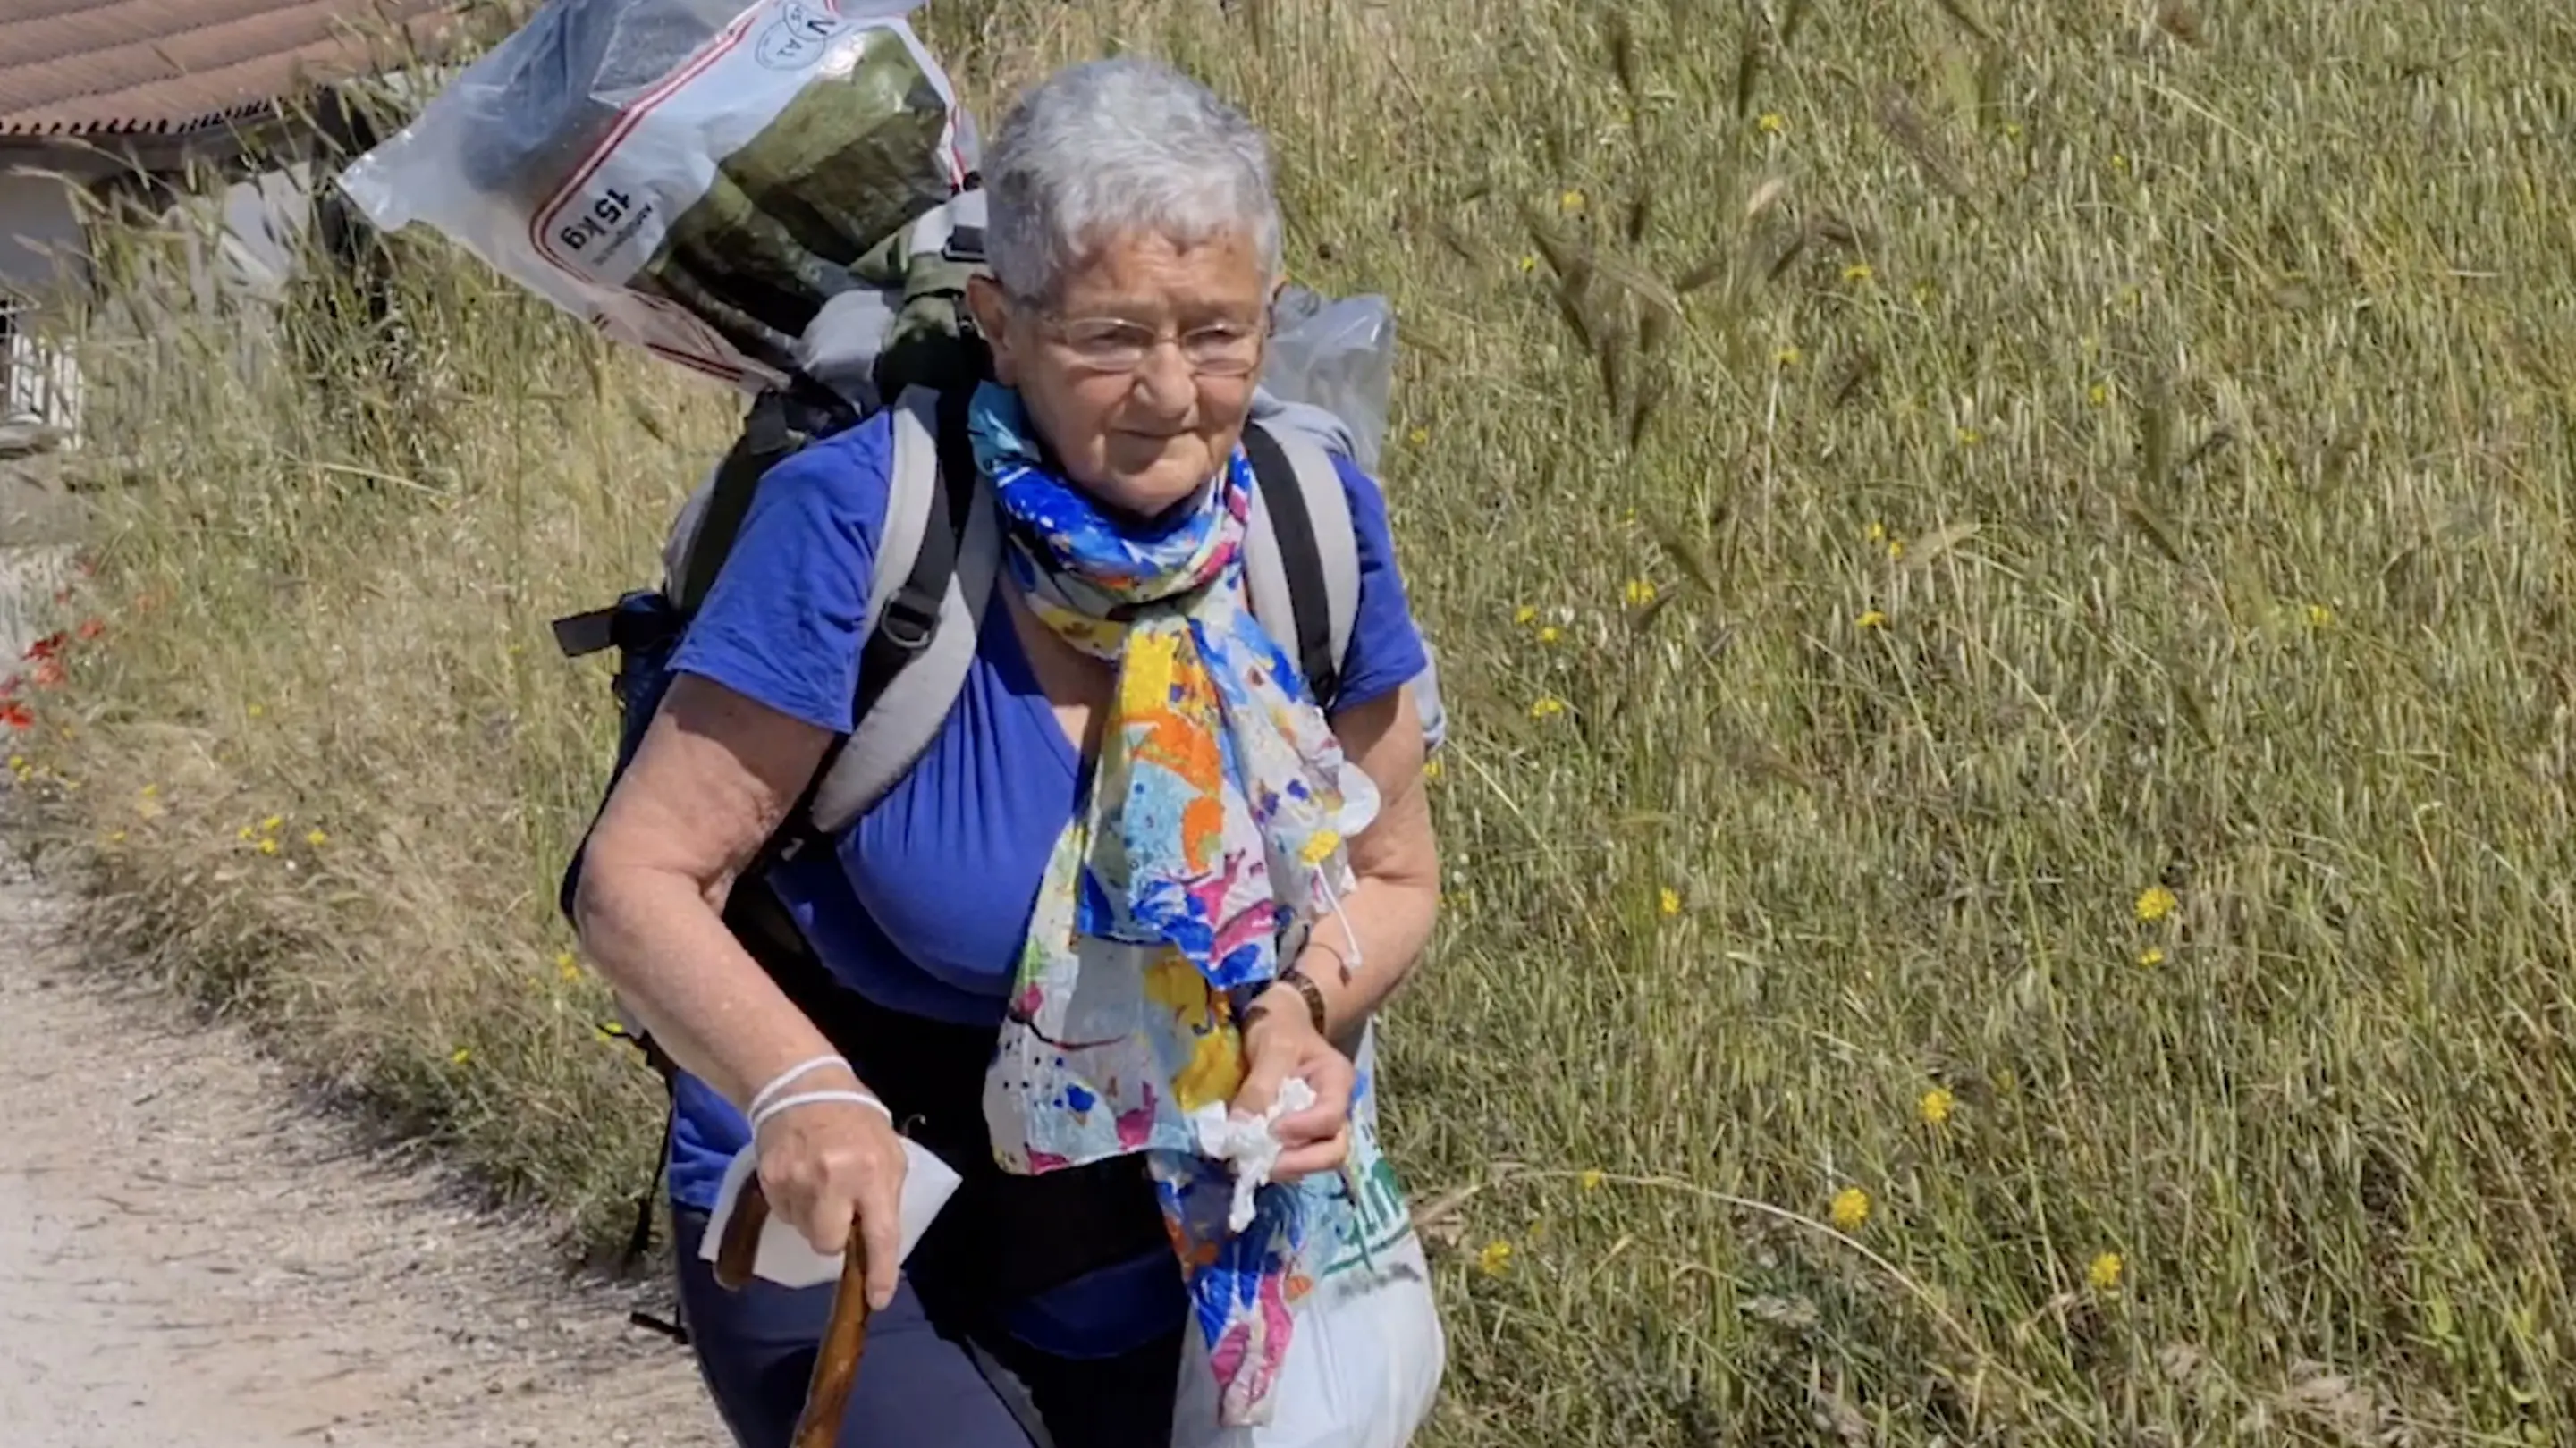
{"x": 1249, "y": 1143}
{"x": 786, "y": 1258}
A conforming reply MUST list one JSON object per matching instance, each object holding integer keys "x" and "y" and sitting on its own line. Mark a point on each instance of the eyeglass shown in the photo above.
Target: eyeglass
{"x": 1113, "y": 344}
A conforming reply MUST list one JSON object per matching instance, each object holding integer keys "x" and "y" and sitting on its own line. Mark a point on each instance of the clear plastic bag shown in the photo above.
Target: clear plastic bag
{"x": 1366, "y": 1349}
{"x": 693, "y": 177}
{"x": 1337, "y": 354}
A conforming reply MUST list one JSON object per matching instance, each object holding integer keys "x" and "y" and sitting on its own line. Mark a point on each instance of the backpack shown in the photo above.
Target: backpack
{"x": 934, "y": 573}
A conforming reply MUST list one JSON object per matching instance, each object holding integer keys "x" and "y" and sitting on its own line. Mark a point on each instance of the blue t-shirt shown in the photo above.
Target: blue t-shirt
{"x": 985, "y": 803}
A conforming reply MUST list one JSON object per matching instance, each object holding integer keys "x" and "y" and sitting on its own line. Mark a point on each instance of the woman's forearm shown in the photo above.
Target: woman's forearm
{"x": 690, "y": 983}
{"x": 1359, "y": 955}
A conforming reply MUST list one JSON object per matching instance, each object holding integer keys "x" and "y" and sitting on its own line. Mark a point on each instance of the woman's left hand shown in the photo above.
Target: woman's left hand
{"x": 1280, "y": 1043}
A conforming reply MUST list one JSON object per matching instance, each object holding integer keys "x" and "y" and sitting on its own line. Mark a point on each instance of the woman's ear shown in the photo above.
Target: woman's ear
{"x": 992, "y": 313}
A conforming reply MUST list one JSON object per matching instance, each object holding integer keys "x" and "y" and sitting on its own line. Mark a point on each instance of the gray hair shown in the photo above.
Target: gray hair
{"x": 1123, "y": 145}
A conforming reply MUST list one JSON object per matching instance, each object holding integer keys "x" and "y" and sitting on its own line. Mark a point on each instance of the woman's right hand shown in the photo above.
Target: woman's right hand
{"x": 827, "y": 1165}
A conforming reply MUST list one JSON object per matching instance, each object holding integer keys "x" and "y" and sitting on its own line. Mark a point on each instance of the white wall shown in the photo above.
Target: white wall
{"x": 39, "y": 233}
{"x": 40, "y": 240}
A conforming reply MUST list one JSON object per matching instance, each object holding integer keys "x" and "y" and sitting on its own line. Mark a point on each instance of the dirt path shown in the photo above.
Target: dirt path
{"x": 192, "y": 1256}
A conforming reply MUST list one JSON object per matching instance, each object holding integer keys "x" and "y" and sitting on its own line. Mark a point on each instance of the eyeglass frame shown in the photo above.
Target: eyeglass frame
{"x": 1057, "y": 324}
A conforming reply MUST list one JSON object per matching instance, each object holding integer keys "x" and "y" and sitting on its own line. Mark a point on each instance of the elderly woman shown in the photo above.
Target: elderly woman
{"x": 1133, "y": 795}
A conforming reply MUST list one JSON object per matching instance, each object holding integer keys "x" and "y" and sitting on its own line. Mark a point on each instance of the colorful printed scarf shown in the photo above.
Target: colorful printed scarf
{"x": 1214, "y": 825}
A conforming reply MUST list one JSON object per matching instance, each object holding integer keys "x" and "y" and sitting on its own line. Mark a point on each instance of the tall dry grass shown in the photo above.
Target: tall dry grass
{"x": 2001, "y": 571}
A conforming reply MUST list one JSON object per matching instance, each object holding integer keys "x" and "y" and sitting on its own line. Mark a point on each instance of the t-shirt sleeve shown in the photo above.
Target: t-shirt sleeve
{"x": 1385, "y": 651}
{"x": 784, "y": 623}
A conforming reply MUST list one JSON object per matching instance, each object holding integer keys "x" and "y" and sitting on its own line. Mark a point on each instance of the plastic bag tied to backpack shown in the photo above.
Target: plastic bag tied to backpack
{"x": 699, "y": 178}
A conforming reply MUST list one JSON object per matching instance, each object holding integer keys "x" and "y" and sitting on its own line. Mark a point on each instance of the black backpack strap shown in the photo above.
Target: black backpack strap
{"x": 914, "y": 610}
{"x": 1301, "y": 559}
{"x": 764, "y": 442}
{"x": 911, "y": 615}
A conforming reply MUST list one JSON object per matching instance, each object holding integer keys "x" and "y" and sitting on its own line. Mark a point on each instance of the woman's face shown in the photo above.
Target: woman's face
{"x": 1140, "y": 373}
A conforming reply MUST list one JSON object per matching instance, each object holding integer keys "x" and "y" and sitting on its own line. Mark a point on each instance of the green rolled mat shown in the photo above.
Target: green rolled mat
{"x": 854, "y": 158}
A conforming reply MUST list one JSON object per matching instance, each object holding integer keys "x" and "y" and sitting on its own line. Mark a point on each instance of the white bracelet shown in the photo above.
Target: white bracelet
{"x": 790, "y": 1076}
{"x": 762, "y": 1117}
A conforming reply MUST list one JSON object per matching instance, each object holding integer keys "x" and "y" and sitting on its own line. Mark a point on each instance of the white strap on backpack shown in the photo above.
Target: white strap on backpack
{"x": 1328, "y": 510}
{"x": 909, "y": 710}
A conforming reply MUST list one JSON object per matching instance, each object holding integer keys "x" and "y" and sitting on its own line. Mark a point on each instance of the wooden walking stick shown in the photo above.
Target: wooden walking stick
{"x": 827, "y": 1394}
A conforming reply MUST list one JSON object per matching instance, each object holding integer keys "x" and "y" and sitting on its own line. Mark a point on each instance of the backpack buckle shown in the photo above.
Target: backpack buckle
{"x": 909, "y": 621}
{"x": 578, "y": 636}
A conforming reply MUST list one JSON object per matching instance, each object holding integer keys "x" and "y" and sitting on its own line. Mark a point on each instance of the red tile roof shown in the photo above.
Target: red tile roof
{"x": 125, "y": 67}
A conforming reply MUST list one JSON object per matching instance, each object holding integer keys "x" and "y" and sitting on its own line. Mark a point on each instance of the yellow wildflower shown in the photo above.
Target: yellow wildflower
{"x": 2319, "y": 615}
{"x": 316, "y": 838}
{"x": 1858, "y": 272}
{"x": 1851, "y": 1209}
{"x": 258, "y": 711}
{"x": 2099, "y": 394}
{"x": 1871, "y": 619}
{"x": 267, "y": 845}
{"x": 1571, "y": 202}
{"x": 1529, "y": 264}
{"x": 1669, "y": 900}
{"x": 116, "y": 837}
{"x": 2104, "y": 1273}
{"x": 2012, "y": 130}
{"x": 151, "y": 791}
{"x": 1788, "y": 356}
{"x": 272, "y": 824}
{"x": 2152, "y": 956}
{"x": 1878, "y": 532}
{"x": 1936, "y": 1106}
{"x": 1895, "y": 550}
{"x": 1970, "y": 437}
{"x": 1592, "y": 1178}
{"x": 17, "y": 761}
{"x": 2119, "y": 162}
{"x": 1525, "y": 615}
{"x": 1639, "y": 592}
{"x": 1494, "y": 1258}
{"x": 245, "y": 834}
{"x": 1431, "y": 769}
{"x": 1550, "y": 634}
{"x": 1548, "y": 707}
{"x": 1419, "y": 437}
{"x": 2155, "y": 903}
{"x": 460, "y": 1055}
{"x": 566, "y": 966}
{"x": 1773, "y": 123}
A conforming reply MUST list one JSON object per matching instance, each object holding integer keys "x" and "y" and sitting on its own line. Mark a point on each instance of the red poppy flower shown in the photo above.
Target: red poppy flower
{"x": 47, "y": 647}
{"x": 49, "y": 672}
{"x": 16, "y": 715}
{"x": 92, "y": 628}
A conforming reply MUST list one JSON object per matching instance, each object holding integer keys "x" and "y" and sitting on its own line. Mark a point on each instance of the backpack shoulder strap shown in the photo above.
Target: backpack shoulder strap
{"x": 705, "y": 540}
{"x": 1301, "y": 556}
{"x": 934, "y": 575}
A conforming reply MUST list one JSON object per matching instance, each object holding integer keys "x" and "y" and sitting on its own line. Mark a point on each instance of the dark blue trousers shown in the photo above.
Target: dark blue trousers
{"x": 920, "y": 1384}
